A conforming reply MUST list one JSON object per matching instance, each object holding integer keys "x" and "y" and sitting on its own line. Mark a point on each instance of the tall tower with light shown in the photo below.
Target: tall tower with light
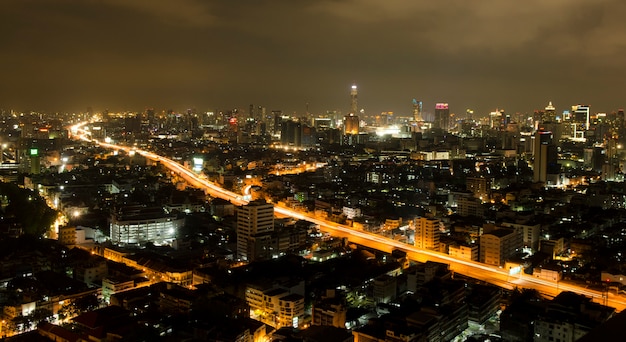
{"x": 353, "y": 100}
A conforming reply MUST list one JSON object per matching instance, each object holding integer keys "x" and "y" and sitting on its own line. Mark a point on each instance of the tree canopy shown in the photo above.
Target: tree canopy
{"x": 26, "y": 208}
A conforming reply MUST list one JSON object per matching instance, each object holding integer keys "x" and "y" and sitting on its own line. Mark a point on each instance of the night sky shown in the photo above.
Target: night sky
{"x": 67, "y": 55}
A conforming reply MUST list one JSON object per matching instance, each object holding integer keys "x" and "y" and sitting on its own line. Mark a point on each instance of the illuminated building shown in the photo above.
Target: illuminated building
{"x": 417, "y": 111}
{"x": 330, "y": 311}
{"x": 580, "y": 117}
{"x": 136, "y": 225}
{"x": 255, "y": 225}
{"x": 277, "y": 306}
{"x": 465, "y": 252}
{"x": 498, "y": 245}
{"x": 442, "y": 116}
{"x": 322, "y": 124}
{"x": 530, "y": 233}
{"x": 353, "y": 100}
{"x": 497, "y": 119}
{"x": 479, "y": 186}
{"x": 470, "y": 206}
{"x": 427, "y": 232}
{"x": 351, "y": 124}
{"x": 385, "y": 288}
{"x": 549, "y": 113}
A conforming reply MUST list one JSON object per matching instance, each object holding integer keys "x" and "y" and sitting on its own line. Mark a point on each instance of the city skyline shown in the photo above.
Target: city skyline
{"x": 291, "y": 56}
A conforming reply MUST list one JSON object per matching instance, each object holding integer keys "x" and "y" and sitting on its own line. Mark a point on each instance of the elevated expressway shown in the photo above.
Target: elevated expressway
{"x": 489, "y": 274}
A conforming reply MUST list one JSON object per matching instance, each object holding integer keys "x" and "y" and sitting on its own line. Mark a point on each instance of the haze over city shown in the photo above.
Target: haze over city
{"x": 129, "y": 55}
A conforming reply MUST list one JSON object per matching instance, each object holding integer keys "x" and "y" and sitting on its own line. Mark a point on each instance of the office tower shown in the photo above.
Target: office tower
{"x": 353, "y": 100}
{"x": 427, "y": 232}
{"x": 290, "y": 133}
{"x": 442, "y": 116}
{"x": 580, "y": 117}
{"x": 351, "y": 124}
{"x": 277, "y": 117}
{"x": 469, "y": 114}
{"x": 497, "y": 119}
{"x": 549, "y": 113}
{"x": 417, "y": 111}
{"x": 545, "y": 157}
{"x": 255, "y": 224}
{"x": 334, "y": 117}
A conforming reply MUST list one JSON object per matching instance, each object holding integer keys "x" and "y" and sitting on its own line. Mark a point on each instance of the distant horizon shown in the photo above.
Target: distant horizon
{"x": 244, "y": 109}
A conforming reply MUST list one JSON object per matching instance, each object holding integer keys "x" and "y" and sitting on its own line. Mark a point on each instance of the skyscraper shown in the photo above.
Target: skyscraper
{"x": 417, "y": 111}
{"x": 546, "y": 158}
{"x": 353, "y": 100}
{"x": 550, "y": 113}
{"x": 255, "y": 224}
{"x": 580, "y": 117}
{"x": 442, "y": 116}
{"x": 351, "y": 124}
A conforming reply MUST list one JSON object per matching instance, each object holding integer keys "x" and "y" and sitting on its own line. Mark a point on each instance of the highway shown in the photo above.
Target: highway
{"x": 490, "y": 274}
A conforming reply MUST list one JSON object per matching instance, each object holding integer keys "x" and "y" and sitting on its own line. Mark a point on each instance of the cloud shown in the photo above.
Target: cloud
{"x": 179, "y": 12}
{"x": 592, "y": 28}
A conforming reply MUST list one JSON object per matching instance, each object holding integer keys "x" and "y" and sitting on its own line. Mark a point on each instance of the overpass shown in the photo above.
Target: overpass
{"x": 473, "y": 269}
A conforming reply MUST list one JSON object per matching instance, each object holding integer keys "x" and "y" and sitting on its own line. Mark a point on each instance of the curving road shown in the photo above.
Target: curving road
{"x": 490, "y": 274}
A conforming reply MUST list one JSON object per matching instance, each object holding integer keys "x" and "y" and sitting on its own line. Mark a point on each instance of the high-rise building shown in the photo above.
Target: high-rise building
{"x": 549, "y": 113}
{"x": 545, "y": 156}
{"x": 581, "y": 117}
{"x": 442, "y": 116}
{"x": 353, "y": 100}
{"x": 427, "y": 232}
{"x": 255, "y": 225}
{"x": 351, "y": 124}
{"x": 277, "y": 116}
{"x": 291, "y": 133}
{"x": 417, "y": 111}
{"x": 497, "y": 119}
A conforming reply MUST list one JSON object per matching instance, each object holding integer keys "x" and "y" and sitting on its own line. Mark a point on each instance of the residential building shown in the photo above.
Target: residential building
{"x": 427, "y": 232}
{"x": 498, "y": 245}
{"x": 530, "y": 233}
{"x": 255, "y": 225}
{"x": 385, "y": 288}
{"x": 465, "y": 252}
{"x": 568, "y": 317}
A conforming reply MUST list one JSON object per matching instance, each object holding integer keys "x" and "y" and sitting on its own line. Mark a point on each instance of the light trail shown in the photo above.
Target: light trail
{"x": 474, "y": 269}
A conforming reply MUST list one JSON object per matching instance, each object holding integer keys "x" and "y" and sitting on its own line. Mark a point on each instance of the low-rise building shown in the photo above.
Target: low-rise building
{"x": 464, "y": 252}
